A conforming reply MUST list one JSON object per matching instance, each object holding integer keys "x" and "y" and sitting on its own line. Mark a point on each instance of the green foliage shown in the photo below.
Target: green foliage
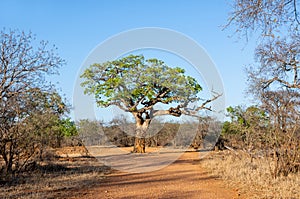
{"x": 67, "y": 127}
{"x": 132, "y": 81}
{"x": 247, "y": 128}
{"x": 228, "y": 128}
{"x": 246, "y": 117}
{"x": 44, "y": 117}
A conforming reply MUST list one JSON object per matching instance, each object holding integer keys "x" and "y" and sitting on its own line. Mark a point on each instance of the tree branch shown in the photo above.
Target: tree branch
{"x": 118, "y": 104}
{"x": 182, "y": 110}
{"x": 171, "y": 111}
{"x": 283, "y": 82}
{"x": 295, "y": 11}
{"x": 203, "y": 106}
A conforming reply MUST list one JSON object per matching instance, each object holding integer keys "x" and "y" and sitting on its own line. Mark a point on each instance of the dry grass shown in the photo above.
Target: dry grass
{"x": 61, "y": 178}
{"x": 252, "y": 178}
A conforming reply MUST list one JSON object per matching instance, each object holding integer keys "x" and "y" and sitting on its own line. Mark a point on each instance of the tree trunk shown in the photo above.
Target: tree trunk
{"x": 139, "y": 145}
{"x": 141, "y": 130}
{"x": 7, "y": 155}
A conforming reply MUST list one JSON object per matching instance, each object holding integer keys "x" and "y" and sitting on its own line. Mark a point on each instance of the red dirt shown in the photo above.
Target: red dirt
{"x": 183, "y": 179}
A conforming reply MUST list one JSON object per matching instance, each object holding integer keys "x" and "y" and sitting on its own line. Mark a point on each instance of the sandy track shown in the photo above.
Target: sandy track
{"x": 182, "y": 179}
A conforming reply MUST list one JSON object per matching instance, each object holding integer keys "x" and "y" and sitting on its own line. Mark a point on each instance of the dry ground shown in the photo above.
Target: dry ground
{"x": 57, "y": 178}
{"x": 74, "y": 176}
{"x": 182, "y": 179}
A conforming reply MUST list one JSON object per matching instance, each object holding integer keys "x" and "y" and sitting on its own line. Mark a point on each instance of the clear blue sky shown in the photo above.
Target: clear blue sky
{"x": 76, "y": 27}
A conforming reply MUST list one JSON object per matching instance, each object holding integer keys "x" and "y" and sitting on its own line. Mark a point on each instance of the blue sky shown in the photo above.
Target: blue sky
{"x": 76, "y": 27}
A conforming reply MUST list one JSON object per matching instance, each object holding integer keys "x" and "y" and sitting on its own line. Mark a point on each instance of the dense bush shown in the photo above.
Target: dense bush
{"x": 31, "y": 110}
{"x": 261, "y": 133}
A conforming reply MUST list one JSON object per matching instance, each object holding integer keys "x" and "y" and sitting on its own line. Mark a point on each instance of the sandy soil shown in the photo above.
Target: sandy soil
{"x": 182, "y": 179}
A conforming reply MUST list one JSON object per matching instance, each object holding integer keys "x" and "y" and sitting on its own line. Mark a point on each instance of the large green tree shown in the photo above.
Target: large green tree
{"x": 136, "y": 85}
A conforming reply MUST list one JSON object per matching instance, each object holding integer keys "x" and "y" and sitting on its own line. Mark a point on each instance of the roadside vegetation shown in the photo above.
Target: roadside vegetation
{"x": 251, "y": 177}
{"x": 63, "y": 173}
{"x": 264, "y": 139}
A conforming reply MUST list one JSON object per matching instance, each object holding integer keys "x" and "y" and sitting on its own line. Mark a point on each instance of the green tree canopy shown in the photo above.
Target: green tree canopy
{"x": 136, "y": 85}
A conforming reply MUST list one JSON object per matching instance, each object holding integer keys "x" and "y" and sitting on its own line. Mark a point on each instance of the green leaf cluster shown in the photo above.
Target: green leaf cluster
{"x": 133, "y": 82}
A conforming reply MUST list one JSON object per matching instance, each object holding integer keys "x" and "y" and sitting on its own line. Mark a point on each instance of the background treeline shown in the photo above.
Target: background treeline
{"x": 194, "y": 134}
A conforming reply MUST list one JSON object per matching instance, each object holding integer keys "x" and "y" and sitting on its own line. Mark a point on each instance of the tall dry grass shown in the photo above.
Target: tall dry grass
{"x": 251, "y": 176}
{"x": 64, "y": 176}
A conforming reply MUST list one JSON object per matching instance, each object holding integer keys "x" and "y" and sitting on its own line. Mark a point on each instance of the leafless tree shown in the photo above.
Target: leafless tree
{"x": 283, "y": 138}
{"x": 277, "y": 65}
{"x": 266, "y": 17}
{"x": 274, "y": 78}
{"x": 23, "y": 69}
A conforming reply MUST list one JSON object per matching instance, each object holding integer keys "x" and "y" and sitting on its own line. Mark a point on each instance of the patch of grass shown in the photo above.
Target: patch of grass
{"x": 251, "y": 176}
{"x": 58, "y": 178}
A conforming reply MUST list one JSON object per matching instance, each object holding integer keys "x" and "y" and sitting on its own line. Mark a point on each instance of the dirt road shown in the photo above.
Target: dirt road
{"x": 183, "y": 179}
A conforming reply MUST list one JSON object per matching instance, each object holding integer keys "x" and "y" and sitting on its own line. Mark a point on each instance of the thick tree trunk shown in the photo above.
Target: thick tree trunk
{"x": 139, "y": 145}
{"x": 141, "y": 130}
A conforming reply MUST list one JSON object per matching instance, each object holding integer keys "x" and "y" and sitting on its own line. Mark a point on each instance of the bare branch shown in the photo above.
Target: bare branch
{"x": 203, "y": 106}
{"x": 182, "y": 110}
{"x": 295, "y": 11}
{"x": 119, "y": 105}
{"x": 267, "y": 83}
